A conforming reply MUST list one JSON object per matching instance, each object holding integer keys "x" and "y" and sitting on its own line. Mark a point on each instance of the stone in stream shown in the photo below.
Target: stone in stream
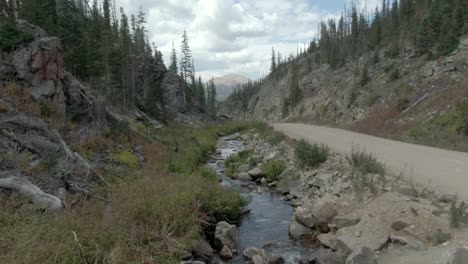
{"x": 261, "y": 256}
{"x": 297, "y": 230}
{"x": 244, "y": 176}
{"x": 256, "y": 173}
{"x": 304, "y": 216}
{"x": 226, "y": 253}
{"x": 226, "y": 235}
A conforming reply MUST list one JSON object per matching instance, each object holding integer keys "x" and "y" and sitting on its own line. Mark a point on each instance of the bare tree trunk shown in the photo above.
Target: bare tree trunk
{"x": 32, "y": 192}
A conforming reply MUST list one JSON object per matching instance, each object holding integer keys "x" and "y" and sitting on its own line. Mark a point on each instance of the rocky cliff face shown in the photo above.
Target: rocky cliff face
{"x": 399, "y": 92}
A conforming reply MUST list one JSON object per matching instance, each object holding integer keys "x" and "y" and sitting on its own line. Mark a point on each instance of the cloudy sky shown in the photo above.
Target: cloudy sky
{"x": 235, "y": 36}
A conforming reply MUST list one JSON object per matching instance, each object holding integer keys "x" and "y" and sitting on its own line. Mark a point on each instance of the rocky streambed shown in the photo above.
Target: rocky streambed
{"x": 266, "y": 223}
{"x": 317, "y": 215}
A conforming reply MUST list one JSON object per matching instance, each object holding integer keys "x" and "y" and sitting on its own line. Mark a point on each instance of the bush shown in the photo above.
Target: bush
{"x": 403, "y": 104}
{"x": 310, "y": 154}
{"x": 273, "y": 169}
{"x": 44, "y": 108}
{"x": 233, "y": 162}
{"x": 365, "y": 162}
{"x": 394, "y": 74}
{"x": 276, "y": 138}
{"x": 126, "y": 157}
{"x": 372, "y": 100}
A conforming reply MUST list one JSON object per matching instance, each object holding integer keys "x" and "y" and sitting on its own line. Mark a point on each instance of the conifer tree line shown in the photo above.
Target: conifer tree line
{"x": 430, "y": 28}
{"x": 111, "y": 51}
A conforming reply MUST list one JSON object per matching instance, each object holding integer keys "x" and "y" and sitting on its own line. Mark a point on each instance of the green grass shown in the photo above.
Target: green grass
{"x": 310, "y": 154}
{"x": 276, "y": 138}
{"x": 154, "y": 212}
{"x": 233, "y": 162}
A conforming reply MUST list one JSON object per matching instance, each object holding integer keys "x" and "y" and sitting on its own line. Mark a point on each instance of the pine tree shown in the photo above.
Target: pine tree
{"x": 186, "y": 58}
{"x": 201, "y": 95}
{"x": 273, "y": 60}
{"x": 173, "y": 67}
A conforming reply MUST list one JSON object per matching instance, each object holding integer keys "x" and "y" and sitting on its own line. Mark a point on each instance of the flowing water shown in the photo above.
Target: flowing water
{"x": 268, "y": 221}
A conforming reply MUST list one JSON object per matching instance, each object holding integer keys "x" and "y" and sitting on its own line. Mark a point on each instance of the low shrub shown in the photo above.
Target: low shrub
{"x": 273, "y": 169}
{"x": 125, "y": 157}
{"x": 458, "y": 214}
{"x": 438, "y": 237}
{"x": 310, "y": 154}
{"x": 365, "y": 162}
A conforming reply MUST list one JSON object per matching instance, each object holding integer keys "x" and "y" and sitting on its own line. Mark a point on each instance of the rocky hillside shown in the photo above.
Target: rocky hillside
{"x": 44, "y": 108}
{"x": 226, "y": 84}
{"x": 375, "y": 94}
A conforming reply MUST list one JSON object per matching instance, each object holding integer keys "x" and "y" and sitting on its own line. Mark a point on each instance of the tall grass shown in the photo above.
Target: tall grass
{"x": 152, "y": 216}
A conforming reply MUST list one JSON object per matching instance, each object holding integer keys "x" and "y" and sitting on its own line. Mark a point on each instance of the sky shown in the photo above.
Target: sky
{"x": 235, "y": 36}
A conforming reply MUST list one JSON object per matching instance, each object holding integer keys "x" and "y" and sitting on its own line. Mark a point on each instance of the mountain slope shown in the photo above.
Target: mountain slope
{"x": 399, "y": 97}
{"x": 226, "y": 84}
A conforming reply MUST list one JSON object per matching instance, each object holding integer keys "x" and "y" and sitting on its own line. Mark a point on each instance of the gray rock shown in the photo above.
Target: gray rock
{"x": 226, "y": 235}
{"x": 262, "y": 255}
{"x": 455, "y": 256}
{"x": 202, "y": 250}
{"x": 226, "y": 253}
{"x": 257, "y": 259}
{"x": 256, "y": 173}
{"x": 243, "y": 168}
{"x": 364, "y": 255}
{"x": 342, "y": 222}
{"x": 288, "y": 185}
{"x": 399, "y": 225}
{"x": 45, "y": 89}
{"x": 323, "y": 215}
{"x": 244, "y": 176}
{"x": 304, "y": 217}
{"x": 297, "y": 230}
{"x": 323, "y": 256}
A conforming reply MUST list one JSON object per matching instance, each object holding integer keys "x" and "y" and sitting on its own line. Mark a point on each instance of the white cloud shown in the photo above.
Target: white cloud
{"x": 231, "y": 36}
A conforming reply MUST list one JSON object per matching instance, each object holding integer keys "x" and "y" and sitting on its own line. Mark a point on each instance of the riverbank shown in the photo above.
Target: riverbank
{"x": 354, "y": 209}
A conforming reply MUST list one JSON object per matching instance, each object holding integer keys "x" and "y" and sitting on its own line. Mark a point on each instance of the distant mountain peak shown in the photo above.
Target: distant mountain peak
{"x": 227, "y": 83}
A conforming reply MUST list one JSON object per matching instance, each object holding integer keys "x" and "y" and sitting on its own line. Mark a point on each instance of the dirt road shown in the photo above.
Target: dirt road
{"x": 446, "y": 171}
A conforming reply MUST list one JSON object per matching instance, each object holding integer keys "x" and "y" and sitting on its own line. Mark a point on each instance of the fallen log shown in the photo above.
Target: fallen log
{"x": 25, "y": 188}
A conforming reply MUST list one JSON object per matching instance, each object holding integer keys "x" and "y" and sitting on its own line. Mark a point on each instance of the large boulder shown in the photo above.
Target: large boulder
{"x": 226, "y": 235}
{"x": 322, "y": 215}
{"x": 202, "y": 250}
{"x": 261, "y": 256}
{"x": 303, "y": 215}
{"x": 364, "y": 255}
{"x": 298, "y": 230}
{"x": 455, "y": 256}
